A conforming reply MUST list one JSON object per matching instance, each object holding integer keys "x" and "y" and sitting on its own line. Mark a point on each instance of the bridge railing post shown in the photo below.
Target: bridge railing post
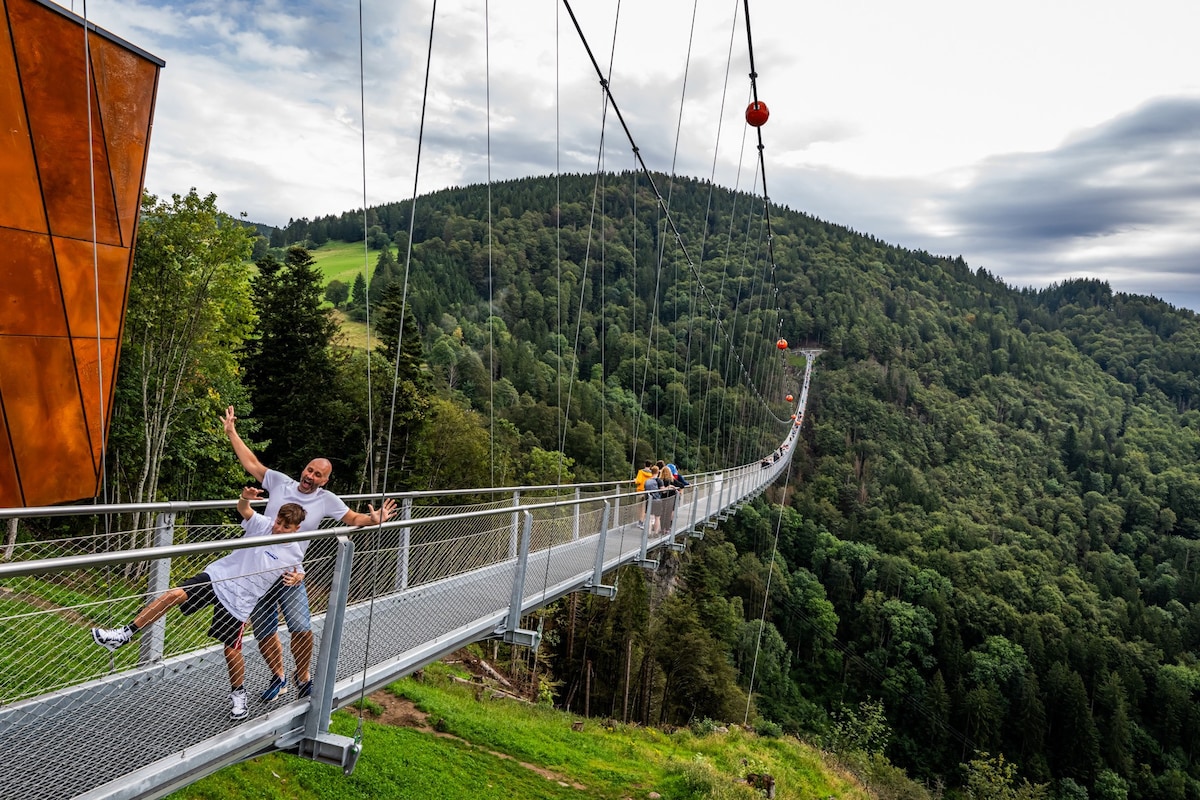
{"x": 513, "y": 633}
{"x": 318, "y": 743}
{"x": 709, "y": 491}
{"x": 515, "y": 527}
{"x": 595, "y": 586}
{"x": 575, "y": 522}
{"x": 693, "y": 511}
{"x": 402, "y": 554}
{"x": 153, "y": 642}
{"x": 643, "y": 559}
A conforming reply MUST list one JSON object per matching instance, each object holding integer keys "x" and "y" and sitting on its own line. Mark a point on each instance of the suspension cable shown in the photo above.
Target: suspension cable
{"x": 399, "y": 337}
{"x": 100, "y": 394}
{"x": 604, "y": 82}
{"x": 370, "y": 465}
{"x": 487, "y": 72}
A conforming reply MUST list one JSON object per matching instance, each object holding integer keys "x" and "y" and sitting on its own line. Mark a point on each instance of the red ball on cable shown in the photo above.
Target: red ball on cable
{"x": 781, "y": 344}
{"x": 757, "y": 113}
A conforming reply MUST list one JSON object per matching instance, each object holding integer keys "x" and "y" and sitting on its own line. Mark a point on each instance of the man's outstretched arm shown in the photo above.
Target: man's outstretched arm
{"x": 386, "y": 511}
{"x": 248, "y": 460}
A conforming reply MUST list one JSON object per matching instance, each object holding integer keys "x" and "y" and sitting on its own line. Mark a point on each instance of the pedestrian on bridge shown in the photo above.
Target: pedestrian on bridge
{"x": 232, "y": 585}
{"x": 654, "y": 496}
{"x": 639, "y": 483}
{"x": 310, "y": 493}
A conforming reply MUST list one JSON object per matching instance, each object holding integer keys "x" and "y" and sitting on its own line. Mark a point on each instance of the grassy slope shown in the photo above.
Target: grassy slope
{"x": 343, "y": 261}
{"x": 503, "y": 749}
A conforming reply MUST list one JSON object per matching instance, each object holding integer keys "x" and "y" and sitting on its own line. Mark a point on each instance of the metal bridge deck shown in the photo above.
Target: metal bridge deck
{"x": 73, "y": 742}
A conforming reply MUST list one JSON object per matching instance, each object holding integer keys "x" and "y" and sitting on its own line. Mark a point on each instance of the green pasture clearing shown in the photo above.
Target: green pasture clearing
{"x": 504, "y": 749}
{"x": 343, "y": 261}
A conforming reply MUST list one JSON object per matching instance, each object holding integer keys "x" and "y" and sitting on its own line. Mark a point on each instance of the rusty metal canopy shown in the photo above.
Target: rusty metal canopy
{"x": 68, "y": 218}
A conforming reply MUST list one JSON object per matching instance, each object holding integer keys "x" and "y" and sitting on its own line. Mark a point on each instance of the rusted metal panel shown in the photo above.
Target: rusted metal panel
{"x": 68, "y": 218}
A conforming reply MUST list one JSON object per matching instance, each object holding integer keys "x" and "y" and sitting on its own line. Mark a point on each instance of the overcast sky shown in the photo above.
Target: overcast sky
{"x": 1039, "y": 140}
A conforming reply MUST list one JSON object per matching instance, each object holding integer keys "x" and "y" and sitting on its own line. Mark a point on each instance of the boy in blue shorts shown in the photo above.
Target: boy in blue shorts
{"x": 232, "y": 586}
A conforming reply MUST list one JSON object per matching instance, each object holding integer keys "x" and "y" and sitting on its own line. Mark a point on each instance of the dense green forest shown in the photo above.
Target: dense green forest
{"x": 987, "y": 537}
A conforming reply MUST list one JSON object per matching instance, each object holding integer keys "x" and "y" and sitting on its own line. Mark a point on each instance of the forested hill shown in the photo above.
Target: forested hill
{"x": 994, "y": 527}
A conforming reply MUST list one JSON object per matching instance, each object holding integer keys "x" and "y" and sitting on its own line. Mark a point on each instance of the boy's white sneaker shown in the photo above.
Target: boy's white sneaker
{"x": 112, "y": 638}
{"x": 237, "y": 700}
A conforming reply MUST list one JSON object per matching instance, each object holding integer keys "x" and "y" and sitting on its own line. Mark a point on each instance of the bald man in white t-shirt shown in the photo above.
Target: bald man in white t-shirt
{"x": 289, "y": 592}
{"x": 232, "y": 586}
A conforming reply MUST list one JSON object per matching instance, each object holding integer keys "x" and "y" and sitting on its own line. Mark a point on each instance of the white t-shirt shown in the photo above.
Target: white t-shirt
{"x": 241, "y": 578}
{"x": 317, "y": 504}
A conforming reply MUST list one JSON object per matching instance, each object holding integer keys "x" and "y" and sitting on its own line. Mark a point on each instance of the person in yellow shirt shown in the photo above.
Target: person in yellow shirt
{"x": 639, "y": 483}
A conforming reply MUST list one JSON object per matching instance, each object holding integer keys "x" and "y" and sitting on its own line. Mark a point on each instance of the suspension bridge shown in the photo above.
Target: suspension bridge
{"x": 79, "y": 721}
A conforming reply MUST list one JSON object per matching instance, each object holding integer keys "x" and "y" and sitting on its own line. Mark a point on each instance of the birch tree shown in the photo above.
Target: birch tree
{"x": 189, "y": 312}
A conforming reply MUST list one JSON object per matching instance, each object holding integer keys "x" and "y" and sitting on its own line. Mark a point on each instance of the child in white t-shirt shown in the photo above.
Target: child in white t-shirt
{"x": 232, "y": 586}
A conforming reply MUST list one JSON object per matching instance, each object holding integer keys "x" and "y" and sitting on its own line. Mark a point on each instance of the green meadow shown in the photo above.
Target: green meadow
{"x": 468, "y": 746}
{"x": 343, "y": 261}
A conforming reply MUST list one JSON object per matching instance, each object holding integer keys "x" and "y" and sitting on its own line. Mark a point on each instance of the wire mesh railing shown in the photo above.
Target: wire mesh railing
{"x": 432, "y": 576}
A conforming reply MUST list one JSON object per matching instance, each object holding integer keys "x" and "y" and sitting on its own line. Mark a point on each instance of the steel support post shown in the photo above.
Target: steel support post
{"x": 595, "y": 586}
{"x": 575, "y": 524}
{"x": 515, "y": 528}
{"x": 513, "y": 633}
{"x": 150, "y": 649}
{"x": 709, "y": 491}
{"x": 402, "y": 553}
{"x": 318, "y": 743}
{"x": 694, "y": 515}
{"x": 722, "y": 511}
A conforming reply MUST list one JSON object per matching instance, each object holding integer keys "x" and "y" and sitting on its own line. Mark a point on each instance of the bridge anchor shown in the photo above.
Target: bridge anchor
{"x": 601, "y": 590}
{"x": 522, "y": 636}
{"x": 330, "y": 748}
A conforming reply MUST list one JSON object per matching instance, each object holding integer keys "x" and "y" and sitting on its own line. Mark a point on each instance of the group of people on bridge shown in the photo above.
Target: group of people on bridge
{"x": 661, "y": 483}
{"x": 257, "y": 584}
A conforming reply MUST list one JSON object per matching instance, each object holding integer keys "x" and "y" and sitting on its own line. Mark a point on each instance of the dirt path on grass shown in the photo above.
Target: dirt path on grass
{"x": 401, "y": 711}
{"x": 69, "y": 614}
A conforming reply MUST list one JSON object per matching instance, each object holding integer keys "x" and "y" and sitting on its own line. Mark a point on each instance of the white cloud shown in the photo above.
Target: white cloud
{"x": 960, "y": 128}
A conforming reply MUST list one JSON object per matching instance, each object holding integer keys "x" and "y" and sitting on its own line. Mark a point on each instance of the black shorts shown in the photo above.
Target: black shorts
{"x": 225, "y": 628}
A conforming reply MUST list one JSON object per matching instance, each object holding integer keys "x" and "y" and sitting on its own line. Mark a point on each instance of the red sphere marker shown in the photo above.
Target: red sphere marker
{"x": 757, "y": 113}
{"x": 788, "y": 398}
{"x": 781, "y": 344}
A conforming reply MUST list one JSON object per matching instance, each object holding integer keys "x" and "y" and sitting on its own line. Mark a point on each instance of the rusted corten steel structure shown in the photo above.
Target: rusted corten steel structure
{"x": 68, "y": 216}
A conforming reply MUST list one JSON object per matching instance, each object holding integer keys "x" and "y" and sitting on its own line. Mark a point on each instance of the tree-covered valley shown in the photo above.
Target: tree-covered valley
{"x": 985, "y": 544}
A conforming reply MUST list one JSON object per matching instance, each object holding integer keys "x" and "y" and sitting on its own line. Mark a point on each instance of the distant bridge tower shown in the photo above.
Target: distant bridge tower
{"x": 59, "y": 231}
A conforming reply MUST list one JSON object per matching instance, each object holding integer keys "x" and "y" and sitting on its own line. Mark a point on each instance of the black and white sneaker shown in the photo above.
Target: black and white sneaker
{"x": 237, "y": 700}
{"x": 112, "y": 638}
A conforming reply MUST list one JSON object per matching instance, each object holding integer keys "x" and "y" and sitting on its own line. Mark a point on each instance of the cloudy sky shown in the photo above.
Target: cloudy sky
{"x": 1039, "y": 140}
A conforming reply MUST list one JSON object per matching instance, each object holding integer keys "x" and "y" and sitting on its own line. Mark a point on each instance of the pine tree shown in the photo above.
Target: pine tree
{"x": 288, "y": 367}
{"x": 358, "y": 296}
{"x": 385, "y": 274}
{"x": 405, "y": 384}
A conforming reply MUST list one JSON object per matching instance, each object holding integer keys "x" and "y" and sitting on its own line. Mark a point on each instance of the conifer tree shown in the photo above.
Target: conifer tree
{"x": 288, "y": 366}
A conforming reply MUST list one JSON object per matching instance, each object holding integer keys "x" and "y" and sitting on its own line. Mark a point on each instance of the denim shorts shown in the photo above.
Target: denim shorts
{"x": 294, "y": 602}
